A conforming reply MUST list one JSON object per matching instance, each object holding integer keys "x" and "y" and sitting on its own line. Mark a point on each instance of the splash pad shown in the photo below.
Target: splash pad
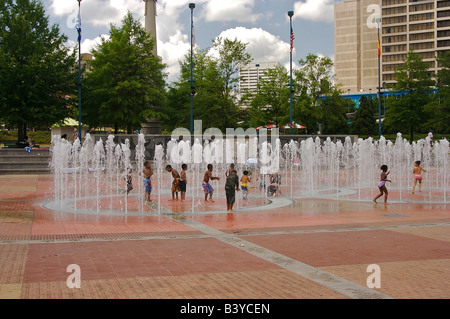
{"x": 90, "y": 177}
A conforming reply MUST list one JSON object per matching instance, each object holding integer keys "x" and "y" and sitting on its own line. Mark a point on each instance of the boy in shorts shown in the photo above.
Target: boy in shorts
{"x": 245, "y": 180}
{"x": 148, "y": 172}
{"x": 176, "y": 181}
{"x": 183, "y": 182}
{"x": 231, "y": 186}
{"x": 207, "y": 188}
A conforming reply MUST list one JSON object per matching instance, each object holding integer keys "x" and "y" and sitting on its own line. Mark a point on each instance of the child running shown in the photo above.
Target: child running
{"x": 207, "y": 188}
{"x": 231, "y": 186}
{"x": 176, "y": 182}
{"x": 129, "y": 180}
{"x": 183, "y": 181}
{"x": 148, "y": 172}
{"x": 417, "y": 171}
{"x": 245, "y": 180}
{"x": 382, "y": 184}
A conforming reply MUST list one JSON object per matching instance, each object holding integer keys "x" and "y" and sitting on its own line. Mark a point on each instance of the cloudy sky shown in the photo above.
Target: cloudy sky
{"x": 263, "y": 24}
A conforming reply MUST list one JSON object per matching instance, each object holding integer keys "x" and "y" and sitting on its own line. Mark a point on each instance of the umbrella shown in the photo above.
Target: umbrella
{"x": 251, "y": 162}
{"x": 68, "y": 122}
{"x": 294, "y": 125}
{"x": 269, "y": 127}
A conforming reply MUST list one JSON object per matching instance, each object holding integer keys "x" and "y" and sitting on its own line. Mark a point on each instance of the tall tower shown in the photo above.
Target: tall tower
{"x": 356, "y": 44}
{"x": 150, "y": 21}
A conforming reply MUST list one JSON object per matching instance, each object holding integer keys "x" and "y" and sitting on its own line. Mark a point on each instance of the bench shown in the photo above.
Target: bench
{"x": 16, "y": 144}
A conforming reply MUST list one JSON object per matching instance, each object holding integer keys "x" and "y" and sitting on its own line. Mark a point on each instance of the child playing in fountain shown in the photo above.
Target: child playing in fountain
{"x": 207, "y": 188}
{"x": 183, "y": 182}
{"x": 245, "y": 180}
{"x": 231, "y": 186}
{"x": 148, "y": 172}
{"x": 129, "y": 180}
{"x": 176, "y": 181}
{"x": 228, "y": 172}
{"x": 272, "y": 190}
{"x": 382, "y": 184}
{"x": 417, "y": 171}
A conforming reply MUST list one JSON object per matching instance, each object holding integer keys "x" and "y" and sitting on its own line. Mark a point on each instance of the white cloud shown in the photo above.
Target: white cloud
{"x": 88, "y": 45}
{"x": 97, "y": 12}
{"x": 314, "y": 10}
{"x": 173, "y": 37}
{"x": 172, "y": 52}
{"x": 262, "y": 45}
{"x": 236, "y": 10}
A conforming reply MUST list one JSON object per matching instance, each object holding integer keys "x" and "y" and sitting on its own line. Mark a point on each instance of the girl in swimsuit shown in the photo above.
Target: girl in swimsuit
{"x": 382, "y": 184}
{"x": 417, "y": 171}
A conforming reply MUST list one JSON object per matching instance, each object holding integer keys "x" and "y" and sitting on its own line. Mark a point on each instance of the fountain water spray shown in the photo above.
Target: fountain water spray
{"x": 84, "y": 175}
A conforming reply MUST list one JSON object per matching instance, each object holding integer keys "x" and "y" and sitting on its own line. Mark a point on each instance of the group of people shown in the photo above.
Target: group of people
{"x": 233, "y": 183}
{"x": 417, "y": 171}
{"x": 179, "y": 183}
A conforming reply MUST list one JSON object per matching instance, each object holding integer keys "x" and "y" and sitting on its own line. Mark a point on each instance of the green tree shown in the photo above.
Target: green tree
{"x": 406, "y": 112}
{"x": 334, "y": 113}
{"x": 36, "y": 74}
{"x": 208, "y": 88}
{"x": 216, "y": 81}
{"x": 126, "y": 84}
{"x": 317, "y": 98}
{"x": 271, "y": 101}
{"x": 364, "y": 121}
{"x": 439, "y": 109}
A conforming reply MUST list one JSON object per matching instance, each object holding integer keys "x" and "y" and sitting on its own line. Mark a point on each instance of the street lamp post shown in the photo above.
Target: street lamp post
{"x": 79, "y": 69}
{"x": 290, "y": 14}
{"x": 192, "y": 6}
{"x": 379, "y": 79}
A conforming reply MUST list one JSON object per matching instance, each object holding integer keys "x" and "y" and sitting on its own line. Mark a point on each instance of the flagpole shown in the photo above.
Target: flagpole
{"x": 79, "y": 69}
{"x": 192, "y": 6}
{"x": 290, "y": 14}
{"x": 379, "y": 79}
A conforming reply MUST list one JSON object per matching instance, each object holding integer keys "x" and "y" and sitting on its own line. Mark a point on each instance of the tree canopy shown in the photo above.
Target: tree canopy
{"x": 126, "y": 83}
{"x": 216, "y": 79}
{"x": 405, "y": 112}
{"x": 37, "y": 75}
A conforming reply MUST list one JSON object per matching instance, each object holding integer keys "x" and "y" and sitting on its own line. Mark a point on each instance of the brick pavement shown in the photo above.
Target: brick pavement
{"x": 310, "y": 249}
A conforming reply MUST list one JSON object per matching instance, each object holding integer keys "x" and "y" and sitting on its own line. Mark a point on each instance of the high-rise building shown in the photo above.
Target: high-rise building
{"x": 356, "y": 44}
{"x": 419, "y": 25}
{"x": 422, "y": 26}
{"x": 250, "y": 75}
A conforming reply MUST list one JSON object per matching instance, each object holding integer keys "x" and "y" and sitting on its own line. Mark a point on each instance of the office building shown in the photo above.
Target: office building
{"x": 422, "y": 26}
{"x": 419, "y": 25}
{"x": 249, "y": 77}
{"x": 356, "y": 45}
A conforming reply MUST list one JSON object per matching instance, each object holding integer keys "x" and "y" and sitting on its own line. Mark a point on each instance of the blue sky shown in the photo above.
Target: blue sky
{"x": 263, "y": 24}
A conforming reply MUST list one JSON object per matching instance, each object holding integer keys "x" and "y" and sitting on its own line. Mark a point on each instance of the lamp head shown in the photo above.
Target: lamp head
{"x": 191, "y": 6}
{"x": 290, "y": 14}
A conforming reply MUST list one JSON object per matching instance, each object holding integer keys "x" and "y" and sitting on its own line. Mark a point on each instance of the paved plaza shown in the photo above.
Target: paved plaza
{"x": 304, "y": 248}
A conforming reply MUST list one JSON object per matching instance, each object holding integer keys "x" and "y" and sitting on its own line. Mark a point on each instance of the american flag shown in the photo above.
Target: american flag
{"x": 78, "y": 24}
{"x": 292, "y": 39}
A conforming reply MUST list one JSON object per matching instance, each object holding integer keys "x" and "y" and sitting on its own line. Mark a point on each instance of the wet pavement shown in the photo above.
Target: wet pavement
{"x": 276, "y": 248}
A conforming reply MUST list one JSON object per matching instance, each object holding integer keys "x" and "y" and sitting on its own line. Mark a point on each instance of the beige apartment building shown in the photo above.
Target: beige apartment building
{"x": 420, "y": 25}
{"x": 250, "y": 76}
{"x": 356, "y": 45}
